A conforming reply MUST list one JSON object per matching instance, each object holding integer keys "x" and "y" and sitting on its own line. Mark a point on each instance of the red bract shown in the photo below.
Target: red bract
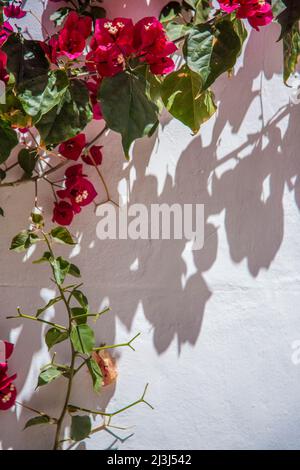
{"x": 94, "y": 157}
{"x": 152, "y": 46}
{"x": 63, "y": 213}
{"x": 73, "y": 148}
{"x": 116, "y": 41}
{"x": 79, "y": 190}
{"x": 257, "y": 12}
{"x": 14, "y": 11}
{"x": 3, "y": 72}
{"x": 72, "y": 38}
{"x": 117, "y": 32}
{"x": 93, "y": 87}
{"x": 5, "y": 31}
{"x": 8, "y": 392}
{"x": 229, "y": 5}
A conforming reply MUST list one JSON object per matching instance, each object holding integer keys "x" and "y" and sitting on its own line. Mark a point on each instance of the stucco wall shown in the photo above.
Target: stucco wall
{"x": 217, "y": 325}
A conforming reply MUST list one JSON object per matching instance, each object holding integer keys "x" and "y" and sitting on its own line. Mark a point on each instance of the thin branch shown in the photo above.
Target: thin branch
{"x": 113, "y": 346}
{"x": 73, "y": 408}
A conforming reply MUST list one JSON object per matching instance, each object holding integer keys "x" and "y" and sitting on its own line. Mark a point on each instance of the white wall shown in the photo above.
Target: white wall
{"x": 217, "y": 326}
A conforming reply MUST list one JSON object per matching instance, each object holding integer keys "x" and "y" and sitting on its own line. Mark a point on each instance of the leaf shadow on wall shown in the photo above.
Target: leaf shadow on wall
{"x": 174, "y": 309}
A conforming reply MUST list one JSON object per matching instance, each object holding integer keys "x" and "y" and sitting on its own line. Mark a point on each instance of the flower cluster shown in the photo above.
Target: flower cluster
{"x": 8, "y": 392}
{"x": 78, "y": 190}
{"x": 15, "y": 10}
{"x": 257, "y": 12}
{"x": 116, "y": 41}
{"x": 71, "y": 40}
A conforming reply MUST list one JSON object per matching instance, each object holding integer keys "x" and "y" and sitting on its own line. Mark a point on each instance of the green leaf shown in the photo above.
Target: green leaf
{"x": 96, "y": 374}
{"x": 212, "y": 50}
{"x": 46, "y": 258}
{"x": 175, "y": 31}
{"x": 37, "y": 421}
{"x": 8, "y": 139}
{"x": 170, "y": 12}
{"x": 27, "y": 160}
{"x": 59, "y": 16}
{"x": 83, "y": 339}
{"x": 183, "y": 98}
{"x": 277, "y": 7}
{"x": 81, "y": 298}
{"x": 48, "y": 375}
{"x": 62, "y": 235}
{"x": 80, "y": 428}
{"x": 25, "y": 58}
{"x": 23, "y": 241}
{"x": 48, "y": 305}
{"x": 37, "y": 218}
{"x": 61, "y": 268}
{"x": 126, "y": 108}
{"x": 1, "y": 212}
{"x": 74, "y": 271}
{"x": 291, "y": 51}
{"x": 203, "y": 9}
{"x": 42, "y": 93}
{"x": 289, "y": 17}
{"x": 79, "y": 311}
{"x": 69, "y": 118}
{"x": 55, "y": 336}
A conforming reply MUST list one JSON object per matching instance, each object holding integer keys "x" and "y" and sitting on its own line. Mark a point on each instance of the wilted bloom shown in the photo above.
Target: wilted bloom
{"x": 107, "y": 365}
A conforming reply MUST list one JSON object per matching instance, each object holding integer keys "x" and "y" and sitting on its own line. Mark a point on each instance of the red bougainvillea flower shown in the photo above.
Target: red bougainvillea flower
{"x": 5, "y": 31}
{"x": 107, "y": 365}
{"x": 4, "y": 76}
{"x": 115, "y": 41}
{"x": 73, "y": 148}
{"x": 94, "y": 157}
{"x": 93, "y": 87}
{"x": 114, "y": 32}
{"x": 8, "y": 392}
{"x": 257, "y": 12}
{"x": 14, "y": 11}
{"x": 152, "y": 45}
{"x": 63, "y": 213}
{"x": 71, "y": 40}
{"x": 109, "y": 61}
{"x": 79, "y": 190}
{"x": 111, "y": 45}
{"x": 229, "y": 5}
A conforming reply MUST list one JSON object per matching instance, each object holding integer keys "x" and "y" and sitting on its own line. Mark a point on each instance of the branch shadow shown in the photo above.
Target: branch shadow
{"x": 152, "y": 279}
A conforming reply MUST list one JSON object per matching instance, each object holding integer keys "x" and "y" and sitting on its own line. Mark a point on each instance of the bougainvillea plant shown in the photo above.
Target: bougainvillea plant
{"x": 120, "y": 74}
{"x": 77, "y": 331}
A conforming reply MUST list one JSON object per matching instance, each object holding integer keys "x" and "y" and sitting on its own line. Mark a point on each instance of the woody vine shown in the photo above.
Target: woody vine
{"x": 122, "y": 75}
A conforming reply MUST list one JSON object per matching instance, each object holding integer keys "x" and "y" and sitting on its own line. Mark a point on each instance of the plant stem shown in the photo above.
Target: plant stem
{"x": 110, "y": 415}
{"x": 29, "y": 317}
{"x": 122, "y": 345}
{"x": 61, "y": 418}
